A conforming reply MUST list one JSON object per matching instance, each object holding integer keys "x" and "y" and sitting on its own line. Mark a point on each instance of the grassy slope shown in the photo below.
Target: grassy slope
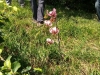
{"x": 79, "y": 40}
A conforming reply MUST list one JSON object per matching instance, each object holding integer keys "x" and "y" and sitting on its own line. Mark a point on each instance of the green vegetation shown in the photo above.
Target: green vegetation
{"x": 77, "y": 53}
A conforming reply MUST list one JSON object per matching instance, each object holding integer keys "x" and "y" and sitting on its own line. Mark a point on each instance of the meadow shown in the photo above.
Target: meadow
{"x": 76, "y": 50}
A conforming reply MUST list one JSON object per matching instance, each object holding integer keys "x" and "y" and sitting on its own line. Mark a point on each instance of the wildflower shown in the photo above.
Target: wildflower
{"x": 48, "y": 23}
{"x": 52, "y": 19}
{"x": 54, "y": 30}
{"x": 52, "y": 13}
{"x": 15, "y": 8}
{"x": 49, "y": 41}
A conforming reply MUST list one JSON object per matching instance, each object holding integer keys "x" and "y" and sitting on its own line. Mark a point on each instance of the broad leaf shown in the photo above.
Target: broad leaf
{"x": 0, "y": 51}
{"x": 26, "y": 69}
{"x": 7, "y": 62}
{"x": 1, "y": 73}
{"x": 38, "y": 69}
{"x": 15, "y": 66}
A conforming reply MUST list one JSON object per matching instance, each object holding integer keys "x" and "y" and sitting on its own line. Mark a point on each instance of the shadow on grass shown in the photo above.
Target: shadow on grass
{"x": 66, "y": 12}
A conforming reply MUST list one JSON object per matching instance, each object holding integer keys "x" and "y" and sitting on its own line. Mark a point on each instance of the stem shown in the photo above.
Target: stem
{"x": 58, "y": 37}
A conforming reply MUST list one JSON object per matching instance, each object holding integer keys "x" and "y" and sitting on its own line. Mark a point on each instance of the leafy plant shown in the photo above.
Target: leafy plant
{"x": 8, "y": 67}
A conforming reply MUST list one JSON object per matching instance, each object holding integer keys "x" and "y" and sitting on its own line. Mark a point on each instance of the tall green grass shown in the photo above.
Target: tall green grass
{"x": 79, "y": 52}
